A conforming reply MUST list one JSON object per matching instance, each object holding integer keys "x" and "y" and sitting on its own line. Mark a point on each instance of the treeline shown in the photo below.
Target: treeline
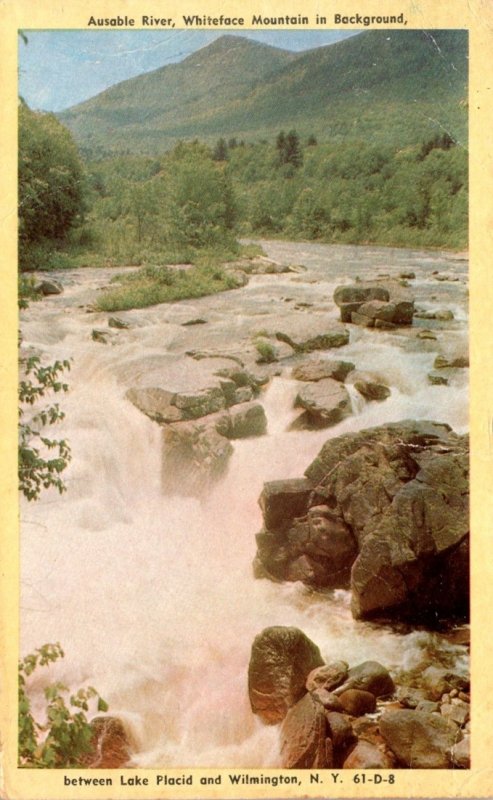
{"x": 195, "y": 198}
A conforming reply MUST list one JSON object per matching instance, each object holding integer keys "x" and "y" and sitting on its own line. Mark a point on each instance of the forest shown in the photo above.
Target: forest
{"x": 193, "y": 203}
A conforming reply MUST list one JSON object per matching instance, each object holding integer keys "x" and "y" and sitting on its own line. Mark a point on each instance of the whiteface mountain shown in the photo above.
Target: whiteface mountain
{"x": 389, "y": 86}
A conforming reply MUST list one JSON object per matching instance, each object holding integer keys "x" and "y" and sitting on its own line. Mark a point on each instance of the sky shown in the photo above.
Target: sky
{"x": 58, "y": 69}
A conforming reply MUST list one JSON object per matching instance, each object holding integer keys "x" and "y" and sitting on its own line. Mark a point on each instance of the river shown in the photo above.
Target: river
{"x": 152, "y": 596}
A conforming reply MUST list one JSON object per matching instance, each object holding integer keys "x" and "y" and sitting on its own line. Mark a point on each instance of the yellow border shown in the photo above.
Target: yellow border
{"x": 477, "y": 17}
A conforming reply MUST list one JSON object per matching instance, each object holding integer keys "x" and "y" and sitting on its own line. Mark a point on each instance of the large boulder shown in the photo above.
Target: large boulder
{"x": 378, "y": 304}
{"x": 326, "y": 402}
{"x": 370, "y": 676}
{"x": 281, "y": 659}
{"x": 394, "y": 525}
{"x": 419, "y": 740}
{"x": 303, "y": 736}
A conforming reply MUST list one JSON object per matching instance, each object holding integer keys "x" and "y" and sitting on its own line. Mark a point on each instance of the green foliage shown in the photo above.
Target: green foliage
{"x": 65, "y": 737}
{"x": 152, "y": 285}
{"x": 41, "y": 460}
{"x": 289, "y": 150}
{"x": 51, "y": 183}
{"x": 267, "y": 352}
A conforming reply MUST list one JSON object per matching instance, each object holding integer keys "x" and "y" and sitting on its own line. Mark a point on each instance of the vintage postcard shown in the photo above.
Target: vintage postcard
{"x": 245, "y": 400}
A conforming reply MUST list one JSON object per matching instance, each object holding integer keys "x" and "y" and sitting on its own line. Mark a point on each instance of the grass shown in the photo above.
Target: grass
{"x": 152, "y": 285}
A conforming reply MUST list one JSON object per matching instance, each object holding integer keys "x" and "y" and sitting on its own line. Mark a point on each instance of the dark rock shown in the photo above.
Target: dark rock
{"x": 99, "y": 336}
{"x": 357, "y": 702}
{"x": 384, "y": 303}
{"x": 327, "y": 677}
{"x": 337, "y": 337}
{"x": 445, "y": 362}
{"x": 318, "y": 370}
{"x": 200, "y": 403}
{"x": 372, "y": 391}
{"x": 48, "y": 287}
{"x": 367, "y": 756}
{"x": 400, "y": 491}
{"x": 198, "y": 321}
{"x": 408, "y": 275}
{"x": 370, "y": 676}
{"x": 419, "y": 740}
{"x": 340, "y": 729}
{"x": 438, "y": 379}
{"x": 281, "y": 501}
{"x": 326, "y": 401}
{"x": 280, "y": 662}
{"x": 303, "y": 735}
{"x": 242, "y": 421}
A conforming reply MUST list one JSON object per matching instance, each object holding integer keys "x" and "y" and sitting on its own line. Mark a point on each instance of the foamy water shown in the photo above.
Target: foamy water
{"x": 153, "y": 596}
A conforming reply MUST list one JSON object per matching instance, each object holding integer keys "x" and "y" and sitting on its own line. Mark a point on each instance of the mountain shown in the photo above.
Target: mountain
{"x": 393, "y": 86}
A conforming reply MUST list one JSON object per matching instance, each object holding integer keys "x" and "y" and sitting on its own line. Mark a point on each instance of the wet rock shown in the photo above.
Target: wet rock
{"x": 370, "y": 676}
{"x": 303, "y": 735}
{"x": 281, "y": 501}
{"x": 281, "y": 659}
{"x": 401, "y": 492}
{"x": 329, "y": 700}
{"x": 438, "y": 378}
{"x": 241, "y": 421}
{"x": 318, "y": 370}
{"x": 383, "y": 303}
{"x": 326, "y": 402}
{"x": 419, "y": 740}
{"x": 194, "y": 457}
{"x": 427, "y": 335}
{"x": 110, "y": 744}
{"x": 99, "y": 336}
{"x": 429, "y": 706}
{"x": 327, "y": 677}
{"x": 200, "y": 403}
{"x": 457, "y": 361}
{"x": 357, "y": 702}
{"x": 407, "y": 275}
{"x": 157, "y": 404}
{"x": 367, "y": 756}
{"x": 195, "y": 321}
{"x": 328, "y": 339}
{"x": 372, "y": 391}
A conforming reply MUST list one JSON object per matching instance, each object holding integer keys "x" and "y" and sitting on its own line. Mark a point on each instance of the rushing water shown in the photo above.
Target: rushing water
{"x": 153, "y": 596}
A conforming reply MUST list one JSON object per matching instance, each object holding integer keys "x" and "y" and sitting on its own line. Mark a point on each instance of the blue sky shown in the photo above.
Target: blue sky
{"x": 58, "y": 69}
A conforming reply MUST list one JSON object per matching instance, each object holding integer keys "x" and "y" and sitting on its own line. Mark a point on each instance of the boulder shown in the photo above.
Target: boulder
{"x": 370, "y": 676}
{"x": 327, "y": 402}
{"x": 110, "y": 744}
{"x": 340, "y": 729}
{"x": 436, "y": 681}
{"x": 327, "y": 677}
{"x": 318, "y": 370}
{"x": 200, "y": 403}
{"x": 357, "y": 702}
{"x": 241, "y": 421}
{"x": 372, "y": 391}
{"x": 303, "y": 736}
{"x": 281, "y": 659}
{"x": 383, "y": 303}
{"x": 48, "y": 287}
{"x": 156, "y": 403}
{"x": 395, "y": 504}
{"x": 448, "y": 361}
{"x": 281, "y": 501}
{"x": 367, "y": 756}
{"x": 419, "y": 740}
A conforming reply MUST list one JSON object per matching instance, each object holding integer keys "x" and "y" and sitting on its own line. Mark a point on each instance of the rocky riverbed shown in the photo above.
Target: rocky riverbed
{"x": 332, "y": 386}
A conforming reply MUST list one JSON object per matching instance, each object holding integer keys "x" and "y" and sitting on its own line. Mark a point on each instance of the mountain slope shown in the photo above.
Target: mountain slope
{"x": 392, "y": 86}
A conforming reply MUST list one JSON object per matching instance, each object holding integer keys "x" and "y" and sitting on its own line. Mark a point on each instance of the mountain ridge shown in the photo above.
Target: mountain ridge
{"x": 384, "y": 84}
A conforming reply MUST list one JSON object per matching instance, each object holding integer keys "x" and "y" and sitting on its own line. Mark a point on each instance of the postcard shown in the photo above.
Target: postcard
{"x": 245, "y": 407}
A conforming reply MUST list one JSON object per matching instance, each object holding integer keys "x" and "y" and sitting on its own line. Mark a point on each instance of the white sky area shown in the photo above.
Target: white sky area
{"x": 58, "y": 69}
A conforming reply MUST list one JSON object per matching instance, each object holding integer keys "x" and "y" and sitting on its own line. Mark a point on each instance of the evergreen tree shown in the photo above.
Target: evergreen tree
{"x": 220, "y": 152}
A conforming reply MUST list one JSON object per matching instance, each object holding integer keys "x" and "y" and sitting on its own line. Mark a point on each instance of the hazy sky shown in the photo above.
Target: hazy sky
{"x": 60, "y": 68}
